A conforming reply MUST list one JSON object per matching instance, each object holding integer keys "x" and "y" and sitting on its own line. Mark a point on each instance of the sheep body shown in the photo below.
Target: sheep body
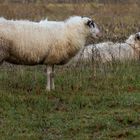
{"x": 114, "y": 51}
{"x": 31, "y": 43}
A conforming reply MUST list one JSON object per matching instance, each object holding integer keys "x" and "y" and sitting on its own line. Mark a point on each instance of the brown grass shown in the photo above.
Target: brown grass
{"x": 117, "y": 21}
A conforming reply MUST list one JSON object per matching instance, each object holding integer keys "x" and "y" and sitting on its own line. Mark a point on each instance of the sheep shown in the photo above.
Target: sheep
{"x": 45, "y": 43}
{"x": 108, "y": 51}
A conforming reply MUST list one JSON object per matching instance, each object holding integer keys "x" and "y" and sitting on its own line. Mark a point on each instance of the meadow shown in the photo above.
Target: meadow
{"x": 94, "y": 101}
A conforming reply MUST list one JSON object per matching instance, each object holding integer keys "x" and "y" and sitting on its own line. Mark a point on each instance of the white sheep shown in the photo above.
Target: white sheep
{"x": 49, "y": 43}
{"x": 109, "y": 51}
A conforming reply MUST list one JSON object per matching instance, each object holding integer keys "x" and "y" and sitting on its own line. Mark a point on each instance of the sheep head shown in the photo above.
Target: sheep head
{"x": 92, "y": 28}
{"x": 134, "y": 41}
{"x": 137, "y": 40}
{"x": 84, "y": 25}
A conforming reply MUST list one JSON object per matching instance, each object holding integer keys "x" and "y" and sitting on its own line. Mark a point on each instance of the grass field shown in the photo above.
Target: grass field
{"x": 91, "y": 102}
{"x": 85, "y": 106}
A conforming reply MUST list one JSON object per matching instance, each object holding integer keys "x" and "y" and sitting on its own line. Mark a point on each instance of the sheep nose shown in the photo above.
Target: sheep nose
{"x": 99, "y": 34}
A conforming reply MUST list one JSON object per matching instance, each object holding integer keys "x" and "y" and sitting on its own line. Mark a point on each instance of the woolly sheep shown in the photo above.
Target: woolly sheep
{"x": 108, "y": 51}
{"x": 49, "y": 42}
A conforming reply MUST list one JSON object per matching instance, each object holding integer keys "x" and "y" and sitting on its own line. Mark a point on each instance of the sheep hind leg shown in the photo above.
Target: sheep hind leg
{"x": 4, "y": 47}
{"x": 1, "y": 61}
{"x": 49, "y": 78}
{"x": 2, "y": 57}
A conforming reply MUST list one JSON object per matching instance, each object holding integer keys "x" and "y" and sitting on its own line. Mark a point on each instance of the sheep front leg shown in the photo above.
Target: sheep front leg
{"x": 49, "y": 78}
{"x": 53, "y": 86}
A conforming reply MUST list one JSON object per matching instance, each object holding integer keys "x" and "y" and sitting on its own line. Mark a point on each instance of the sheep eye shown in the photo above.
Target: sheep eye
{"x": 137, "y": 37}
{"x": 90, "y": 23}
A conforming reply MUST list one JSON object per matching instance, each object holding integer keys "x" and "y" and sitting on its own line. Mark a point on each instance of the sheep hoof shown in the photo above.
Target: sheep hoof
{"x": 48, "y": 89}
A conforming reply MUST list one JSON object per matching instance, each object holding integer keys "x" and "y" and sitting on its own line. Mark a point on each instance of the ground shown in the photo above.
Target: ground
{"x": 91, "y": 102}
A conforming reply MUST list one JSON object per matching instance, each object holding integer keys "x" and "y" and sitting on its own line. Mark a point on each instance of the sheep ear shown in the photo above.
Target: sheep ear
{"x": 89, "y": 23}
{"x": 137, "y": 37}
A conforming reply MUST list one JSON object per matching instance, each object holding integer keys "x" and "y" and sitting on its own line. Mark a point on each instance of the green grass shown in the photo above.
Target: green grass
{"x": 85, "y": 105}
{"x": 88, "y": 103}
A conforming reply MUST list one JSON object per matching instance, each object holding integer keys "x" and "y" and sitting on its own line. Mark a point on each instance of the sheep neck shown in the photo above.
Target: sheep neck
{"x": 136, "y": 50}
